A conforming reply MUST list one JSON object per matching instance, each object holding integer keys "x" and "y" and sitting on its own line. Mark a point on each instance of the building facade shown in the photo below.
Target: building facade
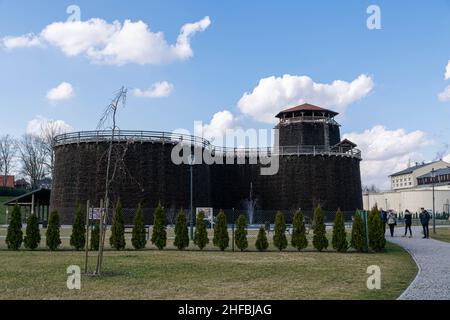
{"x": 8, "y": 182}
{"x": 408, "y": 178}
{"x": 412, "y": 189}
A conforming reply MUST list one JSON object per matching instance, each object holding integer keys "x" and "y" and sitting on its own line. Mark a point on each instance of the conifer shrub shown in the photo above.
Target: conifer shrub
{"x": 201, "y": 233}
{"x": 339, "y": 238}
{"x": 279, "y": 237}
{"x": 159, "y": 235}
{"x": 95, "y": 237}
{"x": 78, "y": 236}
{"x": 299, "y": 240}
{"x": 53, "y": 240}
{"x": 221, "y": 238}
{"x": 358, "y": 241}
{"x": 320, "y": 241}
{"x": 117, "y": 238}
{"x": 377, "y": 240}
{"x": 139, "y": 234}
{"x": 181, "y": 231}
{"x": 32, "y": 233}
{"x": 14, "y": 236}
{"x": 241, "y": 233}
{"x": 261, "y": 242}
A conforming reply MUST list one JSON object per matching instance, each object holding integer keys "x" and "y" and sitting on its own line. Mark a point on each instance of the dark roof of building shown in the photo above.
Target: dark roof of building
{"x": 306, "y": 107}
{"x": 42, "y": 195}
{"x": 347, "y": 142}
{"x": 412, "y": 169}
{"x": 437, "y": 173}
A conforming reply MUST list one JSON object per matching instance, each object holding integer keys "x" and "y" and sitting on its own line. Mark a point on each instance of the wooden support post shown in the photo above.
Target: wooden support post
{"x": 100, "y": 245}
{"x": 87, "y": 238}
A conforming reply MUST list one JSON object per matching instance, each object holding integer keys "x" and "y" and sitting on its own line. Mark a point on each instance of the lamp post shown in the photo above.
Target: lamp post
{"x": 191, "y": 216}
{"x": 434, "y": 212}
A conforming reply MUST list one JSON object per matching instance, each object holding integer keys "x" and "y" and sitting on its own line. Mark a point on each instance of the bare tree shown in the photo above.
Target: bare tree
{"x": 49, "y": 130}
{"x": 33, "y": 158}
{"x": 109, "y": 117}
{"x": 8, "y": 150}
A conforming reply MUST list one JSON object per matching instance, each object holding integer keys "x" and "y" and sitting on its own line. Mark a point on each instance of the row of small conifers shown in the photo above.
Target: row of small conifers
{"x": 221, "y": 238}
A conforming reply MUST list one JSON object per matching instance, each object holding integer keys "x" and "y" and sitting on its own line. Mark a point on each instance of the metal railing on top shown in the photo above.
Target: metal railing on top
{"x": 168, "y": 137}
{"x": 128, "y": 135}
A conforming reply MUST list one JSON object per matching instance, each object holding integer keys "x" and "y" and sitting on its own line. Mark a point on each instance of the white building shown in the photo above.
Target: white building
{"x": 412, "y": 189}
{"x": 411, "y": 199}
{"x": 407, "y": 179}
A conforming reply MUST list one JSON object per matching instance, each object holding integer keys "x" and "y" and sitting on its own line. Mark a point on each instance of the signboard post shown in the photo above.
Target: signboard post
{"x": 208, "y": 214}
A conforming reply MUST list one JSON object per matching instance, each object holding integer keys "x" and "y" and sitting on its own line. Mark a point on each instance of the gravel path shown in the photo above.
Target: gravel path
{"x": 433, "y": 259}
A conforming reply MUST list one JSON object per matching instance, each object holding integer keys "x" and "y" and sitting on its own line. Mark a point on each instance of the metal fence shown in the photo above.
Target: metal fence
{"x": 255, "y": 219}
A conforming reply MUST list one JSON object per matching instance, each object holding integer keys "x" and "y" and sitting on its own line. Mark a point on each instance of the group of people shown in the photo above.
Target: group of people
{"x": 390, "y": 218}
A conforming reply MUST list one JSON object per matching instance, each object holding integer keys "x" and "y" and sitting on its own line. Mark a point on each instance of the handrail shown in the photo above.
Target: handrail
{"x": 168, "y": 137}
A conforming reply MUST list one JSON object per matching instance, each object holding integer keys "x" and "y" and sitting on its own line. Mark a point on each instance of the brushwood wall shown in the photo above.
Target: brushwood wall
{"x": 147, "y": 176}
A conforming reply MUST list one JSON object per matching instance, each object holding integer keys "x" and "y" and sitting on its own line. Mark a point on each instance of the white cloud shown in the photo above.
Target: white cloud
{"x": 387, "y": 151}
{"x": 444, "y": 95}
{"x": 25, "y": 41}
{"x": 216, "y": 130}
{"x": 113, "y": 43}
{"x": 158, "y": 90}
{"x": 64, "y": 91}
{"x": 274, "y": 94}
{"x": 447, "y": 71}
{"x": 39, "y": 125}
{"x": 446, "y": 158}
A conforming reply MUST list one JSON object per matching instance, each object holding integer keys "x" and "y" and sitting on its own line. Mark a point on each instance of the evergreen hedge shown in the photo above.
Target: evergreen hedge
{"x": 181, "y": 231}
{"x": 159, "y": 235}
{"x": 139, "y": 234}
{"x": 279, "y": 237}
{"x": 377, "y": 240}
{"x": 117, "y": 239}
{"x": 339, "y": 238}
{"x": 78, "y": 236}
{"x": 32, "y": 233}
{"x": 221, "y": 238}
{"x": 261, "y": 242}
{"x": 299, "y": 239}
{"x": 53, "y": 240}
{"x": 95, "y": 237}
{"x": 241, "y": 233}
{"x": 14, "y": 236}
{"x": 320, "y": 241}
{"x": 201, "y": 233}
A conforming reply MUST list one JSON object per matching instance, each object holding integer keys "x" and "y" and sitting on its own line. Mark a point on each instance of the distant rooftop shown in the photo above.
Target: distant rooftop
{"x": 412, "y": 169}
{"x": 438, "y": 172}
{"x": 307, "y": 110}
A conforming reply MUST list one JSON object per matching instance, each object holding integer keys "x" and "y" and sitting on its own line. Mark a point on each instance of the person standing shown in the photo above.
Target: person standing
{"x": 392, "y": 222}
{"x": 424, "y": 220}
{"x": 384, "y": 219}
{"x": 408, "y": 223}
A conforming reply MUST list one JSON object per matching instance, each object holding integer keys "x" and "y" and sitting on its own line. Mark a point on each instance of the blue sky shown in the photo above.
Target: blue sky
{"x": 245, "y": 42}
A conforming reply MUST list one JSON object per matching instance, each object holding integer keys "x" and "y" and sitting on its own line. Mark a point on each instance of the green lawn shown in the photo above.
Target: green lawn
{"x": 442, "y": 234}
{"x": 170, "y": 274}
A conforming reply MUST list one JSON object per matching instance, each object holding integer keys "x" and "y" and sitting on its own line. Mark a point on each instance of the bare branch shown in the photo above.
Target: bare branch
{"x": 8, "y": 151}
{"x": 33, "y": 156}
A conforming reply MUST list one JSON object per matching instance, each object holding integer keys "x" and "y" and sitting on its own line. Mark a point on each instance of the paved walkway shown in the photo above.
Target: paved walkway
{"x": 433, "y": 259}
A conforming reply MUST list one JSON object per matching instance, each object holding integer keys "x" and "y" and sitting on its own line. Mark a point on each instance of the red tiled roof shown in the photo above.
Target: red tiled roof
{"x": 307, "y": 107}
